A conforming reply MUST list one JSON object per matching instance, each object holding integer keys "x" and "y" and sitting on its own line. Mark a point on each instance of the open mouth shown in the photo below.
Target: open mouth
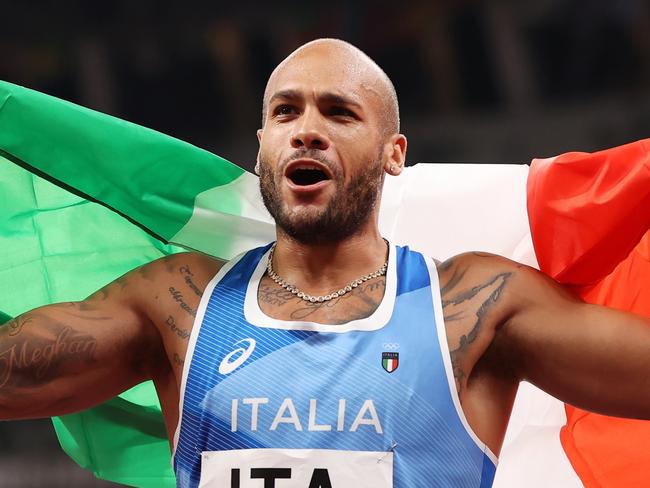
{"x": 307, "y": 176}
{"x": 304, "y": 174}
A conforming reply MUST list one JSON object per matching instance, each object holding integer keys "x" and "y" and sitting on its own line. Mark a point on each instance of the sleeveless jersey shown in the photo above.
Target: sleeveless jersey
{"x": 369, "y": 403}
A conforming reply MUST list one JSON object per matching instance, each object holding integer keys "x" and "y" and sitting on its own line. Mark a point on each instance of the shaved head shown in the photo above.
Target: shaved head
{"x": 344, "y": 56}
{"x": 330, "y": 133}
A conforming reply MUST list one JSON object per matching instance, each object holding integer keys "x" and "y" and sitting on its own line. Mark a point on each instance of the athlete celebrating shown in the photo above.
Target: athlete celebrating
{"x": 330, "y": 358}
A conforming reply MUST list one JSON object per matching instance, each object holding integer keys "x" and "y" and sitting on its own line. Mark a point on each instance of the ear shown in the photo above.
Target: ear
{"x": 257, "y": 162}
{"x": 395, "y": 152}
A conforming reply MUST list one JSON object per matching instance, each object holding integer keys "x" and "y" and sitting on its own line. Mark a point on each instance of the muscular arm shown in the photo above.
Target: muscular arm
{"x": 513, "y": 323}
{"x": 69, "y": 356}
{"x": 590, "y": 356}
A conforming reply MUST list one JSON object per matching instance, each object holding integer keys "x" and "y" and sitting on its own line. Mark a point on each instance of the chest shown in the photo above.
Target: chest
{"x": 260, "y": 381}
{"x": 358, "y": 303}
{"x": 383, "y": 389}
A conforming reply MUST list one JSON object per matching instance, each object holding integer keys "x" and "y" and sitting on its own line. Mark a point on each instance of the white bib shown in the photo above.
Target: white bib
{"x": 296, "y": 468}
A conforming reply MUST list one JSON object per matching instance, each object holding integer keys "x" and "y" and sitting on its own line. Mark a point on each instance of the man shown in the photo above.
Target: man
{"x": 331, "y": 358}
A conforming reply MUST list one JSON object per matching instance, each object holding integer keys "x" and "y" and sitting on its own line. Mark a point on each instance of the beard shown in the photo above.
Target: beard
{"x": 348, "y": 209}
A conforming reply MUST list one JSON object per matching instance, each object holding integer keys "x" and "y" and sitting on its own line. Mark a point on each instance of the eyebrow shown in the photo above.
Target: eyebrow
{"x": 286, "y": 94}
{"x": 337, "y": 99}
{"x": 329, "y": 97}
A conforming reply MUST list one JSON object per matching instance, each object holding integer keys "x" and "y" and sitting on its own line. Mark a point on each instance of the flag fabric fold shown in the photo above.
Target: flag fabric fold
{"x": 56, "y": 247}
{"x": 135, "y": 171}
{"x": 590, "y": 223}
{"x": 588, "y": 211}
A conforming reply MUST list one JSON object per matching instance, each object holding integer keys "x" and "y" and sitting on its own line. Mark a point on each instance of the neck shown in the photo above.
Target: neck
{"x": 319, "y": 269}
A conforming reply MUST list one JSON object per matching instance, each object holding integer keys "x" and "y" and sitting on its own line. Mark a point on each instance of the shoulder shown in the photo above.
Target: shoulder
{"x": 192, "y": 263}
{"x": 484, "y": 281}
{"x": 168, "y": 292}
{"x": 185, "y": 270}
{"x": 510, "y": 286}
{"x": 476, "y": 265}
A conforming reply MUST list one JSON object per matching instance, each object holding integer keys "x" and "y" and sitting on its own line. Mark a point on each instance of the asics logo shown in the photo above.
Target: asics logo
{"x": 241, "y": 354}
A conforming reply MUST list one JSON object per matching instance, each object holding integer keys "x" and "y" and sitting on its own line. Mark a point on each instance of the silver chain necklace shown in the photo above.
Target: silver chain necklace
{"x": 323, "y": 298}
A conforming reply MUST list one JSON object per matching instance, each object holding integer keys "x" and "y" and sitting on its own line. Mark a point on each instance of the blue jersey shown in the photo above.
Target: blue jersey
{"x": 368, "y": 403}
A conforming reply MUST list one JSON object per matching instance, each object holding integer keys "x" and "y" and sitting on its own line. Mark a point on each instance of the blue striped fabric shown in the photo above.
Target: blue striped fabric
{"x": 414, "y": 414}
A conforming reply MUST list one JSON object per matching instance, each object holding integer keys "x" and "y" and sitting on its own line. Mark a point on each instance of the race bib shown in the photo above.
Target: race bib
{"x": 296, "y": 468}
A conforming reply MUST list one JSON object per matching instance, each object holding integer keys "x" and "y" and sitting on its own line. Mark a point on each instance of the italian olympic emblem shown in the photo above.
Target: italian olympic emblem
{"x": 390, "y": 361}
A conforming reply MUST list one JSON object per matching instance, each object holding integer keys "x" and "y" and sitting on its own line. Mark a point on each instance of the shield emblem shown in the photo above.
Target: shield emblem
{"x": 390, "y": 361}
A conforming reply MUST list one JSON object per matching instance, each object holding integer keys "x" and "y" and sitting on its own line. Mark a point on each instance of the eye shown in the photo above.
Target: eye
{"x": 285, "y": 110}
{"x": 338, "y": 111}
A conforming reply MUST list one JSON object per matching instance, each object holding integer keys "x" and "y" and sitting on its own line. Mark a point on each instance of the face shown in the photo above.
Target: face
{"x": 322, "y": 150}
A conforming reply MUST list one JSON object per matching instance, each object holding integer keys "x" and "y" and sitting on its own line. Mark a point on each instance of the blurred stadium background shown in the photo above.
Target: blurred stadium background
{"x": 478, "y": 81}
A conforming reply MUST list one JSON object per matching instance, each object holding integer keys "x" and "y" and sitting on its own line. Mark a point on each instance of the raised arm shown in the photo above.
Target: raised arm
{"x": 509, "y": 322}
{"x": 67, "y": 357}
{"x": 589, "y": 356}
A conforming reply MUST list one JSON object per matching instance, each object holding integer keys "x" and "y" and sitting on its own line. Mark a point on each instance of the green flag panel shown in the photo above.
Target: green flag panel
{"x": 143, "y": 174}
{"x": 57, "y": 247}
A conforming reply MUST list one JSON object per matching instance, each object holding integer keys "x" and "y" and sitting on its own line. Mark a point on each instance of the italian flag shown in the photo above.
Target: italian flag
{"x": 85, "y": 197}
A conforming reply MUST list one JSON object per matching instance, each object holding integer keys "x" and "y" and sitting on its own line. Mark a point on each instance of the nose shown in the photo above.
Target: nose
{"x": 309, "y": 132}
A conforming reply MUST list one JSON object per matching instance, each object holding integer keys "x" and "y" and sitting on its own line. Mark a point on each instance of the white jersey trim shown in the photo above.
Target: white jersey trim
{"x": 194, "y": 335}
{"x": 377, "y": 320}
{"x": 446, "y": 358}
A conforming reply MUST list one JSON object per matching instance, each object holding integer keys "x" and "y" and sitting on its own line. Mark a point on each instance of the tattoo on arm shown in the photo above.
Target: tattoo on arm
{"x": 178, "y": 361}
{"x": 464, "y": 312}
{"x": 178, "y": 297}
{"x": 187, "y": 276}
{"x": 16, "y": 325}
{"x": 180, "y": 332}
{"x": 31, "y": 359}
{"x": 149, "y": 273}
{"x": 101, "y": 294}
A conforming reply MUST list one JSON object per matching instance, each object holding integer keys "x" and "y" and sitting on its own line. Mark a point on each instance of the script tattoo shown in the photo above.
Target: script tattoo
{"x": 187, "y": 276}
{"x": 30, "y": 361}
{"x": 465, "y": 311}
{"x": 356, "y": 304}
{"x": 16, "y": 325}
{"x": 178, "y": 361}
{"x": 123, "y": 281}
{"x": 364, "y": 304}
{"x": 180, "y": 332}
{"x": 178, "y": 297}
{"x": 101, "y": 294}
{"x": 274, "y": 295}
